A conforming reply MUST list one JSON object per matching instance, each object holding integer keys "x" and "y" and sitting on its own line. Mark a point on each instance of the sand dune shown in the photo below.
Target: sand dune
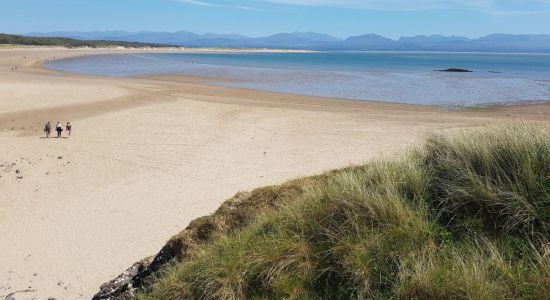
{"x": 148, "y": 155}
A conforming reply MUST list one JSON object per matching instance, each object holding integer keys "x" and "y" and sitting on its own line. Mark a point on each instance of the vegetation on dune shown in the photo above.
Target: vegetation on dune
{"x": 9, "y": 39}
{"x": 464, "y": 217}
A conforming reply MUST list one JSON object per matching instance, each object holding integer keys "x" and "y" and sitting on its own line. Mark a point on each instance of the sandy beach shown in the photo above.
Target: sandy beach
{"x": 148, "y": 155}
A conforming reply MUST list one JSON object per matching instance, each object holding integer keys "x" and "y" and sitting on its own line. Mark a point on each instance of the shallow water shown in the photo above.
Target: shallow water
{"x": 383, "y": 76}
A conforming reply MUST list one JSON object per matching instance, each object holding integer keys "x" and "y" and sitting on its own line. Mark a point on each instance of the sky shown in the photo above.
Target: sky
{"x": 343, "y": 18}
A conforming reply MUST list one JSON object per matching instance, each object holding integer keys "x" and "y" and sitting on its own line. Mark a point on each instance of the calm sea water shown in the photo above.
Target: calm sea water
{"x": 388, "y": 76}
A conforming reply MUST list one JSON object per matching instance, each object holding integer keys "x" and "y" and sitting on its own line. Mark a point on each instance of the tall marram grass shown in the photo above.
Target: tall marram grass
{"x": 464, "y": 217}
{"x": 502, "y": 176}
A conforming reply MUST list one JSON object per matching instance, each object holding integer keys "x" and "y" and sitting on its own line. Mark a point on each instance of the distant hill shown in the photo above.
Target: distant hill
{"x": 304, "y": 40}
{"x": 366, "y": 42}
{"x": 178, "y": 38}
{"x": 91, "y": 35}
{"x": 431, "y": 39}
{"x": 68, "y": 42}
{"x": 319, "y": 41}
{"x": 539, "y": 41}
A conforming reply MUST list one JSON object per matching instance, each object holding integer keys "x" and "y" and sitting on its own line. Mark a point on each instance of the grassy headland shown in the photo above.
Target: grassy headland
{"x": 463, "y": 217}
{"x": 9, "y": 39}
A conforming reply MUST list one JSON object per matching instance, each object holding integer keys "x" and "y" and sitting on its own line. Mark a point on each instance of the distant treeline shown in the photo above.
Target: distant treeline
{"x": 68, "y": 42}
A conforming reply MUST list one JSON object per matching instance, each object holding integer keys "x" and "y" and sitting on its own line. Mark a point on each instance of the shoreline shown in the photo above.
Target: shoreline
{"x": 237, "y": 50}
{"x": 218, "y": 80}
{"x": 252, "y": 96}
{"x": 148, "y": 155}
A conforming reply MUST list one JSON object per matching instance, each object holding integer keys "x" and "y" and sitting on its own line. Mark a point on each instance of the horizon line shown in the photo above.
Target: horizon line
{"x": 276, "y": 33}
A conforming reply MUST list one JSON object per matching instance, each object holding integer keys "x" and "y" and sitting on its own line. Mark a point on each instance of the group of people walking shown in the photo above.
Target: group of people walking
{"x": 58, "y": 129}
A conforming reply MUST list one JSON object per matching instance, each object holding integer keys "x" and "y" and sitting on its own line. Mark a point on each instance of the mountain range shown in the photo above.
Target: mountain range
{"x": 318, "y": 41}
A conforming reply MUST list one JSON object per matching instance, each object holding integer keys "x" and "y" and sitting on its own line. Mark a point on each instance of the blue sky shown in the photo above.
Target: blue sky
{"x": 392, "y": 18}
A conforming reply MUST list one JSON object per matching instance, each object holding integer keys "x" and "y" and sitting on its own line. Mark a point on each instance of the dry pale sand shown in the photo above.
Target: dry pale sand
{"x": 148, "y": 155}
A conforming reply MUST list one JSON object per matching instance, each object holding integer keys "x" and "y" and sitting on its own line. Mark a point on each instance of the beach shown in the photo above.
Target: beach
{"x": 150, "y": 154}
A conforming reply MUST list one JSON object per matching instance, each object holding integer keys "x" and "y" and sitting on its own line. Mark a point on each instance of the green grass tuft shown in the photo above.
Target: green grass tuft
{"x": 465, "y": 217}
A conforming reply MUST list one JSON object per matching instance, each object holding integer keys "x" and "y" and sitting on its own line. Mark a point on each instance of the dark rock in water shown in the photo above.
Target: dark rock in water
{"x": 454, "y": 70}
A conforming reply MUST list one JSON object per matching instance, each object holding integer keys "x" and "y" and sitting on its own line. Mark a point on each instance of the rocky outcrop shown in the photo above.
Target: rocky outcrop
{"x": 235, "y": 213}
{"x": 455, "y": 70}
{"x": 122, "y": 287}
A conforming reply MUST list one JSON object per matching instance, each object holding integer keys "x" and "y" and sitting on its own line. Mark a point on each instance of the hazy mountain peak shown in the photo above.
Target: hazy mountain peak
{"x": 432, "y": 38}
{"x": 497, "y": 42}
{"x": 315, "y": 36}
{"x": 370, "y": 39}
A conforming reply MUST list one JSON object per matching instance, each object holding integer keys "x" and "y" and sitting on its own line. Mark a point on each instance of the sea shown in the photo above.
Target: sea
{"x": 399, "y": 77}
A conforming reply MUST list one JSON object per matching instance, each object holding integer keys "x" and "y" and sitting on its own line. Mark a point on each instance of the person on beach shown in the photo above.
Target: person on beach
{"x": 69, "y": 127}
{"x": 48, "y": 129}
{"x": 59, "y": 129}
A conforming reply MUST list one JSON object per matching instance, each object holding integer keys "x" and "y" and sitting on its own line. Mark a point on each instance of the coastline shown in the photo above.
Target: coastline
{"x": 354, "y": 76}
{"x": 150, "y": 154}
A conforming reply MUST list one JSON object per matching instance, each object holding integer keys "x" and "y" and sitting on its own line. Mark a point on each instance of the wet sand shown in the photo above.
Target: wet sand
{"x": 148, "y": 155}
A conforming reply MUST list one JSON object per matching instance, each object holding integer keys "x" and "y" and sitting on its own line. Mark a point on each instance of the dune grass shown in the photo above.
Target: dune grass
{"x": 464, "y": 217}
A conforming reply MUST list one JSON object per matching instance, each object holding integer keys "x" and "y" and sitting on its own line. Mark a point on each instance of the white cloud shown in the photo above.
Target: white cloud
{"x": 211, "y": 4}
{"x": 488, "y": 6}
{"x": 494, "y": 7}
{"x": 196, "y": 2}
